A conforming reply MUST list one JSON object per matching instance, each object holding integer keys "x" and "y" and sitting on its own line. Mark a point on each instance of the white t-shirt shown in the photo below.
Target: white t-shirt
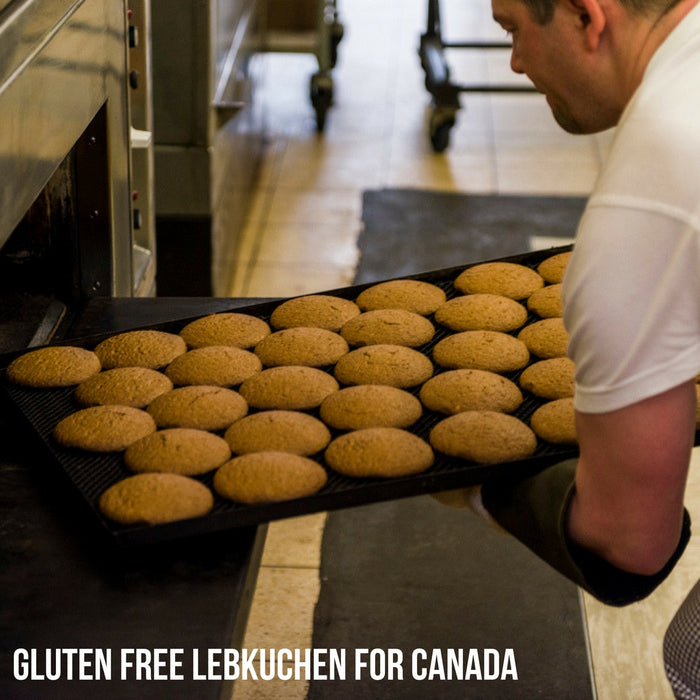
{"x": 632, "y": 289}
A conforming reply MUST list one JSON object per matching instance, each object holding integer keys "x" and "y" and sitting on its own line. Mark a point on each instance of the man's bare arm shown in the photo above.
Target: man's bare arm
{"x": 630, "y": 480}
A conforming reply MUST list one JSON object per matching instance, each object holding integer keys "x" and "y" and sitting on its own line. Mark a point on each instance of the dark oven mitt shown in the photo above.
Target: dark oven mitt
{"x": 534, "y": 510}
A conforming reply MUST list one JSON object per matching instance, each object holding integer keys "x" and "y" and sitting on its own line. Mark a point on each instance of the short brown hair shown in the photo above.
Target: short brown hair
{"x": 543, "y": 10}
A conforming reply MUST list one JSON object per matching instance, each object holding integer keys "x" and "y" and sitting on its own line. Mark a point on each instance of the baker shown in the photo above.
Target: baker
{"x": 613, "y": 521}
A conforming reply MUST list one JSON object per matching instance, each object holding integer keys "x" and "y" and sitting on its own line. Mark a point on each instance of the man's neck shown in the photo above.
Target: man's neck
{"x": 657, "y": 31}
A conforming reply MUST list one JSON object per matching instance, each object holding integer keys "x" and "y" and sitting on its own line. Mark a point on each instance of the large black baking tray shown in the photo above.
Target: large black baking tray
{"x": 91, "y": 473}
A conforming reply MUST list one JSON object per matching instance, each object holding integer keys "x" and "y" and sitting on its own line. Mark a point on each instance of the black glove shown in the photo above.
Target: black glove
{"x": 534, "y": 510}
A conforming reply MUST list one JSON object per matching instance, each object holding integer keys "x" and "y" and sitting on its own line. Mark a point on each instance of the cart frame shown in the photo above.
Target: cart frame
{"x": 321, "y": 39}
{"x": 444, "y": 92}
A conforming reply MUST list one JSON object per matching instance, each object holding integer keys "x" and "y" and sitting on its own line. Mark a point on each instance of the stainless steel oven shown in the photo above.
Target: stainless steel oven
{"x": 74, "y": 219}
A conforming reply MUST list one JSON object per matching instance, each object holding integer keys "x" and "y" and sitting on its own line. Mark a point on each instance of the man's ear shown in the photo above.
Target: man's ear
{"x": 591, "y": 20}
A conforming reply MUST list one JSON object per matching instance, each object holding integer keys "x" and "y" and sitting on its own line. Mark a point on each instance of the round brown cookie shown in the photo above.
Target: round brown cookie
{"x": 279, "y": 431}
{"x": 203, "y": 407}
{"x": 185, "y": 451}
{"x": 546, "y": 338}
{"x": 290, "y": 387}
{"x": 487, "y": 312}
{"x": 489, "y": 350}
{"x": 555, "y": 422}
{"x": 152, "y": 349}
{"x": 503, "y": 278}
{"x": 370, "y": 406}
{"x": 379, "y": 452}
{"x": 549, "y": 379}
{"x": 124, "y": 386}
{"x": 389, "y": 327}
{"x": 309, "y": 347}
{"x": 103, "y": 428}
{"x": 156, "y": 498}
{"x": 53, "y": 366}
{"x": 553, "y": 268}
{"x": 470, "y": 390}
{"x": 268, "y": 477}
{"x": 412, "y": 295}
{"x": 546, "y": 302}
{"x": 394, "y": 365}
{"x": 314, "y": 311}
{"x": 227, "y": 328}
{"x": 214, "y": 365}
{"x": 485, "y": 437}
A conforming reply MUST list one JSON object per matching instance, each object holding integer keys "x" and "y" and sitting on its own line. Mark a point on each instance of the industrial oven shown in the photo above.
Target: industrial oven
{"x": 75, "y": 161}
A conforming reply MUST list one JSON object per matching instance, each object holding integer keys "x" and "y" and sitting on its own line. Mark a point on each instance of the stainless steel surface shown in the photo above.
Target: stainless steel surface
{"x": 27, "y": 25}
{"x": 142, "y": 175}
{"x": 60, "y": 62}
{"x": 234, "y": 29}
{"x": 203, "y": 75}
{"x": 49, "y": 323}
{"x": 208, "y": 128}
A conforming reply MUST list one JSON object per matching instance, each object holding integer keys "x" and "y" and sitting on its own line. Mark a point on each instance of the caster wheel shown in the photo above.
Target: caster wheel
{"x": 321, "y": 94}
{"x": 440, "y": 126}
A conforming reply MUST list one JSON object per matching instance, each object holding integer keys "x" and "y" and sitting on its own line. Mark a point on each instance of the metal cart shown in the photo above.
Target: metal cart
{"x": 307, "y": 26}
{"x": 445, "y": 93}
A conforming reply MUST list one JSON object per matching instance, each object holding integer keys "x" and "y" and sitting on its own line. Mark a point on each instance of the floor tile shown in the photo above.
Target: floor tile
{"x": 299, "y": 244}
{"x": 520, "y": 174}
{"x": 315, "y": 162}
{"x": 295, "y": 542}
{"x": 285, "y": 280}
{"x": 280, "y": 618}
{"x": 339, "y": 207}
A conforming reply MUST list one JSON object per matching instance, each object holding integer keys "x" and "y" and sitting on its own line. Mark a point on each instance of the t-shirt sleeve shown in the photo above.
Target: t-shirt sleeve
{"x": 632, "y": 302}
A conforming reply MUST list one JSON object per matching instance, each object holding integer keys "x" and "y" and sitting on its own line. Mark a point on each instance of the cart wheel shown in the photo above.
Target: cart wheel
{"x": 440, "y": 126}
{"x": 321, "y": 92}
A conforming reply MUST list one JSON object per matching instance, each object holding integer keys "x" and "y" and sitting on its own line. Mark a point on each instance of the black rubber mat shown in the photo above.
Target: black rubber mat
{"x": 411, "y": 231}
{"x": 432, "y": 588}
{"x": 413, "y": 575}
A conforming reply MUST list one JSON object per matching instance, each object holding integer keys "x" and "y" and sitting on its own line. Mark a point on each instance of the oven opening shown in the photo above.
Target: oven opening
{"x": 60, "y": 253}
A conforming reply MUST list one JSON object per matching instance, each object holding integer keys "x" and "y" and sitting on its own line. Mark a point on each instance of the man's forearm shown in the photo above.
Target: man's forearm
{"x": 623, "y": 548}
{"x": 535, "y": 511}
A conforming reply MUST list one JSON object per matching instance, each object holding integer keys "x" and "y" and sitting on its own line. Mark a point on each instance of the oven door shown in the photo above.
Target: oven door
{"x": 66, "y": 207}
{"x": 61, "y": 61}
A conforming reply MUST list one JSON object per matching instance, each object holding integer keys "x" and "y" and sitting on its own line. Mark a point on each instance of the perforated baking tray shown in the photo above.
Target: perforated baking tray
{"x": 92, "y": 473}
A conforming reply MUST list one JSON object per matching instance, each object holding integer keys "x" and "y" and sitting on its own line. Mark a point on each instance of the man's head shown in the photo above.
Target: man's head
{"x": 586, "y": 56}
